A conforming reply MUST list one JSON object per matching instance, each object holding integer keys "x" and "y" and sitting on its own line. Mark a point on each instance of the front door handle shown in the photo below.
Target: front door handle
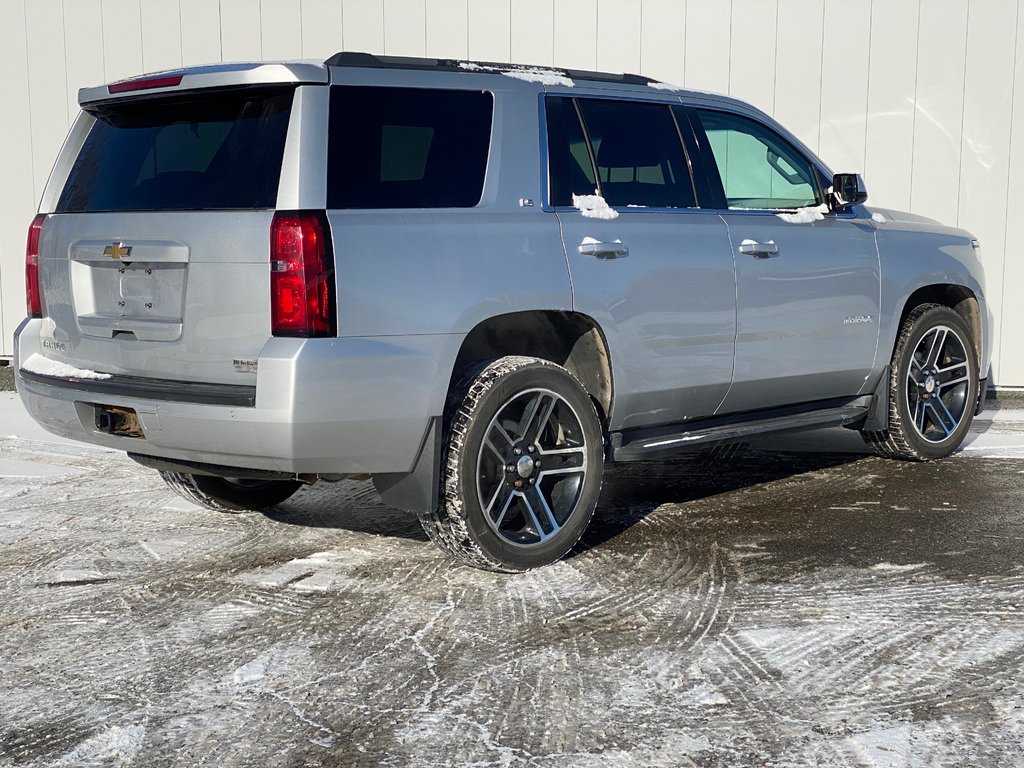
{"x": 612, "y": 250}
{"x": 759, "y": 250}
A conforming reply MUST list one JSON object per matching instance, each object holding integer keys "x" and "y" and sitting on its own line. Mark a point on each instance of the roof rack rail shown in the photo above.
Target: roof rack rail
{"x": 372, "y": 61}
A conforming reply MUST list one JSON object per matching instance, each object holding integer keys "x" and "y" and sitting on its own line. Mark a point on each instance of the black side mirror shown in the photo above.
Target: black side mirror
{"x": 847, "y": 189}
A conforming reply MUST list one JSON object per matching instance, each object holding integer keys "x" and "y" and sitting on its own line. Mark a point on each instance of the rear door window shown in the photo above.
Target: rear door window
{"x": 219, "y": 150}
{"x": 407, "y": 147}
{"x": 635, "y": 156}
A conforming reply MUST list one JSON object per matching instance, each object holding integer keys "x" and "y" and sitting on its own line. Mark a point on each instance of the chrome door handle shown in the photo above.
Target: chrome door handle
{"x": 612, "y": 250}
{"x": 759, "y": 250}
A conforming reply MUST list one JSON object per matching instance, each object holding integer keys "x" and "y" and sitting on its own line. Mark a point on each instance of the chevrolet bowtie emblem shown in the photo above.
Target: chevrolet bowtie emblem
{"x": 117, "y": 250}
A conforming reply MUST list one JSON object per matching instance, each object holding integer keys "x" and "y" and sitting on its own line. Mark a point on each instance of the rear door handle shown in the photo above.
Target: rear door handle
{"x": 613, "y": 250}
{"x": 759, "y": 250}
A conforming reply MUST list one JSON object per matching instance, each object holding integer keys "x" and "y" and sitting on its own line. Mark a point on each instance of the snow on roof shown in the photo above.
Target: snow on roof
{"x": 529, "y": 74}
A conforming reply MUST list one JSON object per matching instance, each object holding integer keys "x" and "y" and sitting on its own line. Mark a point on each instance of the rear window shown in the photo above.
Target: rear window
{"x": 407, "y": 147}
{"x": 218, "y": 151}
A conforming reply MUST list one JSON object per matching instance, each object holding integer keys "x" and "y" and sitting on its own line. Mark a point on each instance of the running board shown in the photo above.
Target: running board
{"x": 648, "y": 444}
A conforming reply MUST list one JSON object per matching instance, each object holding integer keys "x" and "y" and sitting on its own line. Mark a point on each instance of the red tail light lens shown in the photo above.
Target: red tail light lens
{"x": 33, "y": 294}
{"x": 301, "y": 275}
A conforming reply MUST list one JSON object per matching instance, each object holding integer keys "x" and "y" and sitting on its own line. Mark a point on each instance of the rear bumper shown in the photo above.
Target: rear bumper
{"x": 322, "y": 406}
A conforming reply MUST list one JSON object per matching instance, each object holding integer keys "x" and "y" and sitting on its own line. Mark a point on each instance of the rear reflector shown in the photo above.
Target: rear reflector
{"x": 33, "y": 294}
{"x": 301, "y": 275}
{"x": 145, "y": 84}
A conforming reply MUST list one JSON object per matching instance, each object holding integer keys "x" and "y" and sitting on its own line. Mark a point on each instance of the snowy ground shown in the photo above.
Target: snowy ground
{"x": 737, "y": 607}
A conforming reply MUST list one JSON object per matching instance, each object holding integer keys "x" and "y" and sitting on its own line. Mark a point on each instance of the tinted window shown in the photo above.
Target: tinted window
{"x": 636, "y": 147}
{"x": 571, "y": 170}
{"x": 218, "y": 151}
{"x": 758, "y": 168}
{"x": 407, "y": 147}
{"x": 638, "y": 153}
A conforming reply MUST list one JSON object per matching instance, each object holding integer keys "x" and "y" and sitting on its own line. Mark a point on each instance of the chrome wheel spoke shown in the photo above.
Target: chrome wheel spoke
{"x": 536, "y": 507}
{"x": 919, "y": 414}
{"x": 537, "y": 415}
{"x": 952, "y": 374}
{"x": 935, "y": 350}
{"x": 489, "y": 509}
{"x": 563, "y": 461}
{"x": 955, "y": 382}
{"x": 944, "y": 418}
{"x": 536, "y": 497}
{"x": 509, "y": 499}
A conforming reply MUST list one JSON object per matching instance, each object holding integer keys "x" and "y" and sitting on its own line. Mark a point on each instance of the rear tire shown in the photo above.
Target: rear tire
{"x": 222, "y": 494}
{"x": 933, "y": 387}
{"x": 521, "y": 470}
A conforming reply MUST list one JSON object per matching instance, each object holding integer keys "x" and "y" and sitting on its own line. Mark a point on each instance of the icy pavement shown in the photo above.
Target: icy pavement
{"x": 735, "y": 607}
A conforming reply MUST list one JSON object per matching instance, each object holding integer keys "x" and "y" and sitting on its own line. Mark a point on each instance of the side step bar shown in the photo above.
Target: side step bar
{"x": 648, "y": 444}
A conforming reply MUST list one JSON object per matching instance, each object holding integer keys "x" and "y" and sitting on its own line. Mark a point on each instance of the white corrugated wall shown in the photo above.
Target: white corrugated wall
{"x": 920, "y": 95}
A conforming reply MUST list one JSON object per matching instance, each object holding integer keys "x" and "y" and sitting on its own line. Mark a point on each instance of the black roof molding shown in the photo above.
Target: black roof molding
{"x": 372, "y": 61}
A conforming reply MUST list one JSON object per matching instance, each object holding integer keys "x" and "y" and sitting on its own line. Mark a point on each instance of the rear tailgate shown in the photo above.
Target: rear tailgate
{"x": 155, "y": 262}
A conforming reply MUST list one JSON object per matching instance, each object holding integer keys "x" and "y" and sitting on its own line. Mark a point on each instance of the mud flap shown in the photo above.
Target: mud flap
{"x": 417, "y": 491}
{"x": 878, "y": 414}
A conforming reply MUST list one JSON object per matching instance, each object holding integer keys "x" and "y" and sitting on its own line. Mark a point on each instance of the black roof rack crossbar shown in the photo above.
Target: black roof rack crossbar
{"x": 372, "y": 61}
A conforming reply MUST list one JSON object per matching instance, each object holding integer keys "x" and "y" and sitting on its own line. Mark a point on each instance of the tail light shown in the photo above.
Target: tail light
{"x": 301, "y": 275}
{"x": 33, "y": 294}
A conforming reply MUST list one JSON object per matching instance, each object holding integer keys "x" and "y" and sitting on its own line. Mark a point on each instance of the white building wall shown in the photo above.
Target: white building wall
{"x": 922, "y": 96}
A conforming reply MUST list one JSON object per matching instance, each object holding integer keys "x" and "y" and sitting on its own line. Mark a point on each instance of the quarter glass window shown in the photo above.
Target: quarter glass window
{"x": 407, "y": 147}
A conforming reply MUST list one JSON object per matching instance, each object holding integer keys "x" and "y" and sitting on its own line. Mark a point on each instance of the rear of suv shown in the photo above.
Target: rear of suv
{"x": 475, "y": 283}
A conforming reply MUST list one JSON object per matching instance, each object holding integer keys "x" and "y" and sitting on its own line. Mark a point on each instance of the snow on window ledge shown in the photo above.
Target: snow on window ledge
{"x": 807, "y": 215}
{"x": 594, "y": 207}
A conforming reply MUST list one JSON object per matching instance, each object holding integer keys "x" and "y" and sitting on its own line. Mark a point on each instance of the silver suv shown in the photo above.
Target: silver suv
{"x": 476, "y": 283}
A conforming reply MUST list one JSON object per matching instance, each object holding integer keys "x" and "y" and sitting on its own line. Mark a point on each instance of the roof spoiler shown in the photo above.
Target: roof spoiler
{"x": 200, "y": 78}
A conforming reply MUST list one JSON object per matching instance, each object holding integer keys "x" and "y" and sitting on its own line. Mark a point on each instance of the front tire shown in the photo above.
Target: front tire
{"x": 933, "y": 387}
{"x": 222, "y": 494}
{"x": 521, "y": 471}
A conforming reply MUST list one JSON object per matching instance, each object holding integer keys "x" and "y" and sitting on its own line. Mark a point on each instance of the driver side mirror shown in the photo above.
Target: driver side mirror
{"x": 847, "y": 189}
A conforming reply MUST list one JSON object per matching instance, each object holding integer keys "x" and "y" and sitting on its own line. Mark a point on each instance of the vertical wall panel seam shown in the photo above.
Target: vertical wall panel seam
{"x": 775, "y": 71}
{"x": 913, "y": 123}
{"x": 142, "y": 40}
{"x": 641, "y": 54}
{"x": 728, "y": 66}
{"x": 28, "y": 82}
{"x": 867, "y": 88}
{"x": 963, "y": 112}
{"x": 67, "y": 85}
{"x": 259, "y": 14}
{"x": 1009, "y": 159}
{"x": 821, "y": 77}
{"x": 686, "y": 23}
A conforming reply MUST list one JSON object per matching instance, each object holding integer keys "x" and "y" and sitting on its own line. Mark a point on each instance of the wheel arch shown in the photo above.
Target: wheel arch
{"x": 571, "y": 339}
{"x": 960, "y": 299}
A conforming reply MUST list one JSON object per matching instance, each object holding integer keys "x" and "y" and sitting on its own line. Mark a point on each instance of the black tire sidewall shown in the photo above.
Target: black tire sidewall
{"x": 537, "y": 375}
{"x": 242, "y": 498}
{"x": 927, "y": 321}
